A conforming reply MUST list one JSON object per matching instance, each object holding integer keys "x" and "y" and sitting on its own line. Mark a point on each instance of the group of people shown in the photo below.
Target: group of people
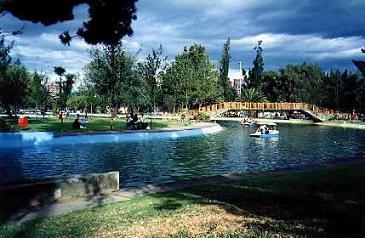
{"x": 264, "y": 129}
{"x": 79, "y": 123}
{"x": 135, "y": 123}
{"x": 247, "y": 121}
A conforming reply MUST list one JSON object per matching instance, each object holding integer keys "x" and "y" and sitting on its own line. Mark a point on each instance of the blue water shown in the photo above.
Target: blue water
{"x": 143, "y": 161}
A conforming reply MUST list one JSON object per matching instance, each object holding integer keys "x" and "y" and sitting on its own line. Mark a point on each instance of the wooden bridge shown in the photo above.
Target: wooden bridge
{"x": 317, "y": 113}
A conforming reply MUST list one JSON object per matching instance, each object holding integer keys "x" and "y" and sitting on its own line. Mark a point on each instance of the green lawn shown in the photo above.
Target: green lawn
{"x": 94, "y": 125}
{"x": 319, "y": 203}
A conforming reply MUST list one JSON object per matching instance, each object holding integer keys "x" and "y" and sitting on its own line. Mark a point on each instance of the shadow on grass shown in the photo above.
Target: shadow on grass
{"x": 323, "y": 203}
{"x": 330, "y": 205}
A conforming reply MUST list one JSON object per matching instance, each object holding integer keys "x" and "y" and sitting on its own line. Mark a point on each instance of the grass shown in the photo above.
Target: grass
{"x": 318, "y": 203}
{"x": 94, "y": 125}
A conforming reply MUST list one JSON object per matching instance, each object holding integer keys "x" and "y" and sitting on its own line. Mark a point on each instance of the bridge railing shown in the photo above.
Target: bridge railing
{"x": 222, "y": 106}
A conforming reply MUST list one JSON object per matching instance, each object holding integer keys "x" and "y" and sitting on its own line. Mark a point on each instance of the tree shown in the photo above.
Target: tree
{"x": 114, "y": 77}
{"x": 67, "y": 88}
{"x": 38, "y": 96}
{"x": 258, "y": 66}
{"x": 13, "y": 87}
{"x": 271, "y": 86}
{"x": 110, "y": 20}
{"x": 229, "y": 94}
{"x": 360, "y": 64}
{"x": 13, "y": 79}
{"x": 252, "y": 95}
{"x": 152, "y": 71}
{"x": 64, "y": 87}
{"x": 191, "y": 80}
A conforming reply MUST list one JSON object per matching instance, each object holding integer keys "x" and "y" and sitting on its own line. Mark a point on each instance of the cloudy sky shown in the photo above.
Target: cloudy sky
{"x": 327, "y": 32}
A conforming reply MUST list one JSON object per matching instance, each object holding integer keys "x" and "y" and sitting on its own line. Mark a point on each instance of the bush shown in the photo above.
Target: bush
{"x": 202, "y": 117}
{"x": 4, "y": 126}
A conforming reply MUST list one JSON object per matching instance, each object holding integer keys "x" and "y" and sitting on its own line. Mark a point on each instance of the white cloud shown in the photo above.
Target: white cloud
{"x": 312, "y": 46}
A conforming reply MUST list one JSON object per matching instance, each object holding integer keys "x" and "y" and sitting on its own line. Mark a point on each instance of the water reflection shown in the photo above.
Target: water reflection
{"x": 151, "y": 161}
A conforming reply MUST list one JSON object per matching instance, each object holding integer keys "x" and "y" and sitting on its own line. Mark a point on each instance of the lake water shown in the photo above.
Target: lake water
{"x": 161, "y": 160}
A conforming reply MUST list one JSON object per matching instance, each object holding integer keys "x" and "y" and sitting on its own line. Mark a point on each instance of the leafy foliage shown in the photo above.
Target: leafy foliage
{"x": 191, "y": 80}
{"x": 4, "y": 126}
{"x": 112, "y": 72}
{"x": 110, "y": 20}
{"x": 13, "y": 86}
{"x": 65, "y": 86}
{"x": 151, "y": 71}
{"x": 258, "y": 66}
{"x": 202, "y": 117}
{"x": 229, "y": 94}
{"x": 252, "y": 95}
{"x": 38, "y": 95}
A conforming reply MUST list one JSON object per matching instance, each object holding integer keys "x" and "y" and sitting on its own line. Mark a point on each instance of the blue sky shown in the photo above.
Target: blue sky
{"x": 327, "y": 32}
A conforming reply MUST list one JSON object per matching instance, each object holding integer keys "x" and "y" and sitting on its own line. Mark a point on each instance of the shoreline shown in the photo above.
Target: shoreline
{"x": 341, "y": 124}
{"x": 199, "y": 125}
{"x": 124, "y": 194}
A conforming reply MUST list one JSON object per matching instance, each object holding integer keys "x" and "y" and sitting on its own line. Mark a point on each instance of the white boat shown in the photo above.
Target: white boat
{"x": 247, "y": 122}
{"x": 266, "y": 130}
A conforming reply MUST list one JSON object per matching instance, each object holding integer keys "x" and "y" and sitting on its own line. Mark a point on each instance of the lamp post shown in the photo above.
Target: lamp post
{"x": 91, "y": 106}
{"x": 240, "y": 84}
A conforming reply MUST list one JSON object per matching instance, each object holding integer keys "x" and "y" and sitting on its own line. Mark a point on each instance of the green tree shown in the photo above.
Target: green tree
{"x": 13, "y": 87}
{"x": 13, "y": 79}
{"x": 38, "y": 96}
{"x": 114, "y": 76}
{"x": 256, "y": 72}
{"x": 271, "y": 86}
{"x": 229, "y": 94}
{"x": 65, "y": 86}
{"x": 151, "y": 71}
{"x": 252, "y": 95}
{"x": 191, "y": 80}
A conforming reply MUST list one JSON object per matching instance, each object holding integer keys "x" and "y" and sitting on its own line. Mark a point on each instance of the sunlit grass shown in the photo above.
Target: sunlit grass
{"x": 94, "y": 125}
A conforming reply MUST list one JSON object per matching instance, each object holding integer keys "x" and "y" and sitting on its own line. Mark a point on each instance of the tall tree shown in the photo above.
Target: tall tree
{"x": 258, "y": 66}
{"x": 152, "y": 71}
{"x": 192, "y": 79}
{"x": 13, "y": 87}
{"x": 229, "y": 93}
{"x": 38, "y": 96}
{"x": 13, "y": 79}
{"x": 60, "y": 72}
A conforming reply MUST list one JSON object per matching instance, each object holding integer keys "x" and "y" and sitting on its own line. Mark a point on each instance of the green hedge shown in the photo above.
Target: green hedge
{"x": 202, "y": 117}
{"x": 4, "y": 126}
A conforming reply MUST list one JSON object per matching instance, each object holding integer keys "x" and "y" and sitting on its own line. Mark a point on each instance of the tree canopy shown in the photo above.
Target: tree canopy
{"x": 110, "y": 20}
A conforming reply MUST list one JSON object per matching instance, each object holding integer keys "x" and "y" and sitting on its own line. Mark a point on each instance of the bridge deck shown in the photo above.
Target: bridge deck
{"x": 318, "y": 113}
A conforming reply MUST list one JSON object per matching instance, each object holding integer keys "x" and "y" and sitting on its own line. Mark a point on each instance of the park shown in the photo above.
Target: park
{"x": 127, "y": 119}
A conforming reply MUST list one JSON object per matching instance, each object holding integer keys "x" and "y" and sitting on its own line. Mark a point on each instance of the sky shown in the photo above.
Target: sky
{"x": 327, "y": 32}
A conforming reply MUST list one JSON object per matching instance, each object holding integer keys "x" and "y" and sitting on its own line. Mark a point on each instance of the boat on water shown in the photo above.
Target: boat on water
{"x": 267, "y": 129}
{"x": 247, "y": 122}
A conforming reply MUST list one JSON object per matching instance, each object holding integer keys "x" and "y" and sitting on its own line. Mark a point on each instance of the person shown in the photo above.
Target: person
{"x": 76, "y": 123}
{"x": 264, "y": 129}
{"x": 60, "y": 115}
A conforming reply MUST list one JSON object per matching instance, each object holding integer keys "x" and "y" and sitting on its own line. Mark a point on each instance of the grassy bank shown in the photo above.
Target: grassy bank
{"x": 319, "y": 203}
{"x": 94, "y": 125}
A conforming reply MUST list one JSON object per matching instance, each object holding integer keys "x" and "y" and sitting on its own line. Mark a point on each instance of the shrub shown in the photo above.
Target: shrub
{"x": 4, "y": 126}
{"x": 202, "y": 117}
